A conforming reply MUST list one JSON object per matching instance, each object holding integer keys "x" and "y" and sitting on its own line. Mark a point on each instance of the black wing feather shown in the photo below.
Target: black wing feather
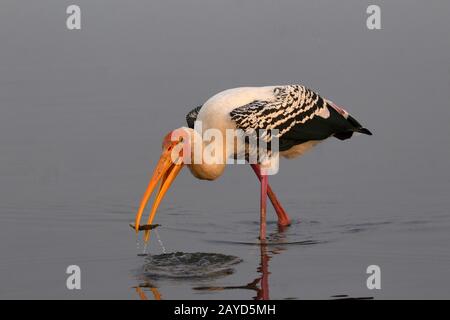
{"x": 296, "y": 114}
{"x": 191, "y": 117}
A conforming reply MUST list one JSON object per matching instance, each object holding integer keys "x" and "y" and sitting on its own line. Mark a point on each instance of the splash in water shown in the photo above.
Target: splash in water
{"x": 189, "y": 265}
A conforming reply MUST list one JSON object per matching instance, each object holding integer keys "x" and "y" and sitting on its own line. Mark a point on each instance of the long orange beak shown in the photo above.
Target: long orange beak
{"x": 166, "y": 171}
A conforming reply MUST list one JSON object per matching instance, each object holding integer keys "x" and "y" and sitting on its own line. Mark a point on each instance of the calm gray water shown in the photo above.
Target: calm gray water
{"x": 82, "y": 115}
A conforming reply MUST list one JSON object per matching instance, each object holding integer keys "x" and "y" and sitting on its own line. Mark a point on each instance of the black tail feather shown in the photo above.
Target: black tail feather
{"x": 364, "y": 131}
{"x": 357, "y": 127}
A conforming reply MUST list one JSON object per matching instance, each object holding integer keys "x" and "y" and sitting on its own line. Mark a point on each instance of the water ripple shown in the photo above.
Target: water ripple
{"x": 183, "y": 265}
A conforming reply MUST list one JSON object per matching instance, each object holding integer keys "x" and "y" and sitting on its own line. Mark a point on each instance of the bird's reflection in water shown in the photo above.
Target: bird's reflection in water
{"x": 260, "y": 285}
{"x": 148, "y": 285}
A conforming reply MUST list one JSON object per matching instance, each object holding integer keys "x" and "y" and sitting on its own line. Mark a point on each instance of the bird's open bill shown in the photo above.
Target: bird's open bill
{"x": 166, "y": 171}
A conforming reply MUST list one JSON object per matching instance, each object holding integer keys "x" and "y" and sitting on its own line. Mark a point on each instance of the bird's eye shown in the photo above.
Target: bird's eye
{"x": 181, "y": 139}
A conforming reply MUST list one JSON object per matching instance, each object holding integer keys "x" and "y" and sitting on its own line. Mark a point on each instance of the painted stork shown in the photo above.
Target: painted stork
{"x": 301, "y": 117}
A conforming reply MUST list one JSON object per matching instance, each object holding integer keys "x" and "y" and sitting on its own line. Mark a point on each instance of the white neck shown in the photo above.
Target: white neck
{"x": 208, "y": 159}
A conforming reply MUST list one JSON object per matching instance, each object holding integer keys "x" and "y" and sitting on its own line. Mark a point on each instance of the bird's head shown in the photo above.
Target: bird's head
{"x": 176, "y": 146}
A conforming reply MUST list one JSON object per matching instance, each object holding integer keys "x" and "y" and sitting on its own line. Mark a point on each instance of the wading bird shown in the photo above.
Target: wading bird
{"x": 300, "y": 116}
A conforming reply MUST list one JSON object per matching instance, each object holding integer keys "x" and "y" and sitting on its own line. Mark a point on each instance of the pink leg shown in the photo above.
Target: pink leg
{"x": 263, "y": 206}
{"x": 283, "y": 218}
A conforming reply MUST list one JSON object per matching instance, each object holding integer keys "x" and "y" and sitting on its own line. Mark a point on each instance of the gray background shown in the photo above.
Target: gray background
{"x": 82, "y": 114}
